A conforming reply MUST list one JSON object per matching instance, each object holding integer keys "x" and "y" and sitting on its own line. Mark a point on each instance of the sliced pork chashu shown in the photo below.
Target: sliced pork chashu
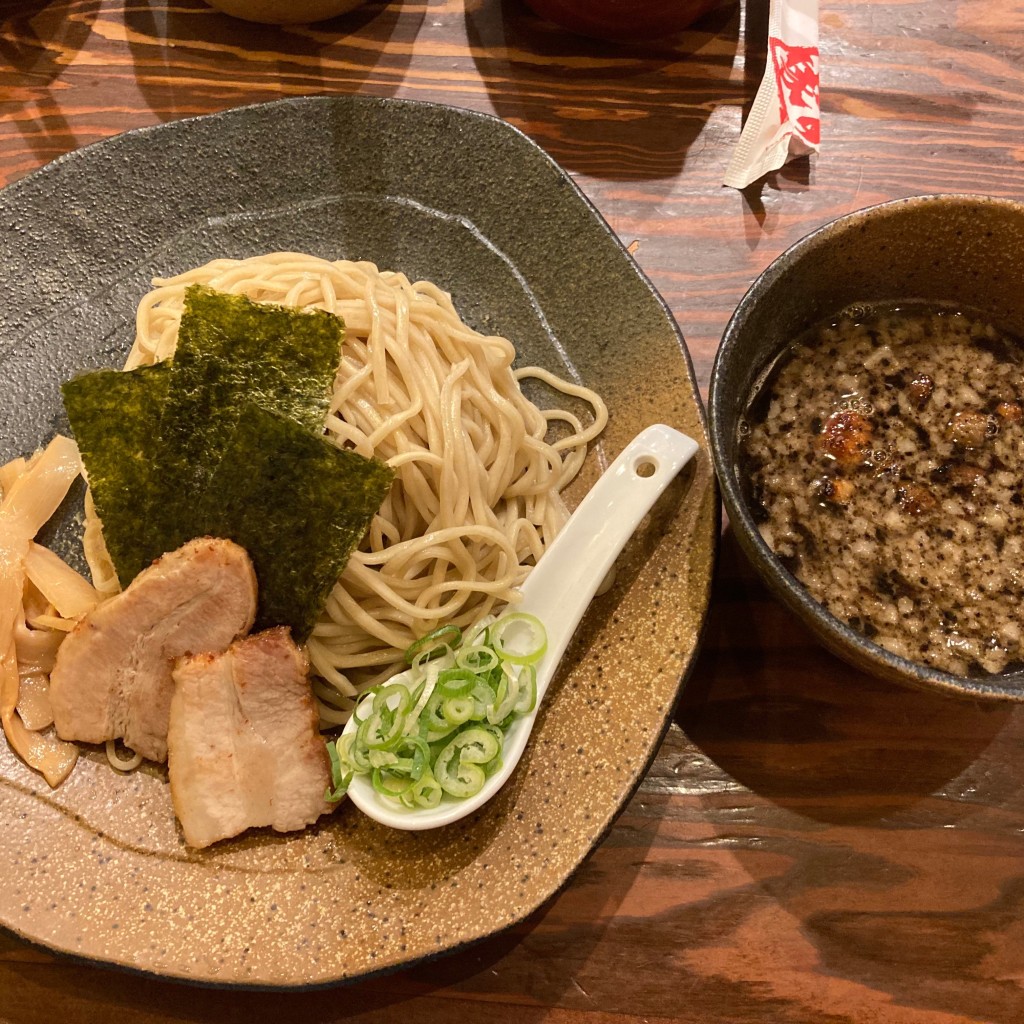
{"x": 112, "y": 678}
{"x": 244, "y": 748}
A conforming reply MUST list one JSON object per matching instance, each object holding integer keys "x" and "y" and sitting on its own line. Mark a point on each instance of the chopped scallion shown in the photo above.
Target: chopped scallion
{"x": 438, "y": 728}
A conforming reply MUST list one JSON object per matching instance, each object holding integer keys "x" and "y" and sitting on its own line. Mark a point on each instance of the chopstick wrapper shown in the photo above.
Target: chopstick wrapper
{"x": 785, "y": 121}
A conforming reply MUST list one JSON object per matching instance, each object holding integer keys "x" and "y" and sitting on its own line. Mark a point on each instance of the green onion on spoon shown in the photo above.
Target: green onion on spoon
{"x": 438, "y": 740}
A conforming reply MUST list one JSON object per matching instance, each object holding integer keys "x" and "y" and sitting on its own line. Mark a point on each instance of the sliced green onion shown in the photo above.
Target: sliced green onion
{"x": 518, "y": 637}
{"x": 528, "y": 690}
{"x": 420, "y": 761}
{"x": 484, "y": 696}
{"x": 456, "y": 682}
{"x": 383, "y": 727}
{"x": 438, "y": 728}
{"x": 458, "y": 768}
{"x": 390, "y": 785}
{"x": 354, "y": 754}
{"x": 433, "y": 724}
{"x": 457, "y": 710}
{"x": 479, "y": 659}
{"x": 434, "y": 644}
{"x": 339, "y": 778}
{"x": 382, "y": 758}
{"x": 504, "y": 700}
{"x": 425, "y": 792}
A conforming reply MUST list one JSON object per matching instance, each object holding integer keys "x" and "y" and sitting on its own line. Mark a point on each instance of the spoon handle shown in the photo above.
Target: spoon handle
{"x": 565, "y": 580}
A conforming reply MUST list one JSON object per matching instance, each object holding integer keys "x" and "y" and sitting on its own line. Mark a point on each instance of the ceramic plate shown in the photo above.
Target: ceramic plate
{"x": 97, "y": 867}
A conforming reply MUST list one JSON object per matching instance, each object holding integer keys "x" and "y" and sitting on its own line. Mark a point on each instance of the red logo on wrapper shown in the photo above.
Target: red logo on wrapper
{"x": 796, "y": 76}
{"x": 785, "y": 120}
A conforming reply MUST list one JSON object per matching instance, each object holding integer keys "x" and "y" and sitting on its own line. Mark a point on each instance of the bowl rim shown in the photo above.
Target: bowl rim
{"x": 835, "y": 634}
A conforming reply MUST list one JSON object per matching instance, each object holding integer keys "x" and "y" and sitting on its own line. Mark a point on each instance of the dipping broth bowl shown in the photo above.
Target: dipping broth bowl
{"x": 962, "y": 249}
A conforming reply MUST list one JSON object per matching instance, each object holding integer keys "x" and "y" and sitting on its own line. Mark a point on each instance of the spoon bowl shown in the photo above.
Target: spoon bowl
{"x": 558, "y": 592}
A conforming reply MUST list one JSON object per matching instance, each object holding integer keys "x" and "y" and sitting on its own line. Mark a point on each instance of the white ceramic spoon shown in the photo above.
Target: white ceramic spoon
{"x": 558, "y": 592}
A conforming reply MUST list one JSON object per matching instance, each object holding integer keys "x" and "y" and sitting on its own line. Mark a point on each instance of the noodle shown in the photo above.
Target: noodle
{"x": 121, "y": 763}
{"x": 476, "y": 496}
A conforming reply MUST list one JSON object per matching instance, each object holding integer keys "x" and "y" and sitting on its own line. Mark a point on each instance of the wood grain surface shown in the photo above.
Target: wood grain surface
{"x": 811, "y": 845}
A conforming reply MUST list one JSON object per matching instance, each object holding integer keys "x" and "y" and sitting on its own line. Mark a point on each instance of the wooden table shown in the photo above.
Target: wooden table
{"x": 811, "y": 845}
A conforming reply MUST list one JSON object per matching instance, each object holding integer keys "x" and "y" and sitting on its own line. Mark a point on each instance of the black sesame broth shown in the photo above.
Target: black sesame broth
{"x": 884, "y": 456}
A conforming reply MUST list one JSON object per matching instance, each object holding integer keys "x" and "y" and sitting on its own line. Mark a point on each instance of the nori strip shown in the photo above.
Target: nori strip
{"x": 115, "y": 417}
{"x": 227, "y": 440}
{"x": 233, "y": 351}
{"x": 299, "y": 505}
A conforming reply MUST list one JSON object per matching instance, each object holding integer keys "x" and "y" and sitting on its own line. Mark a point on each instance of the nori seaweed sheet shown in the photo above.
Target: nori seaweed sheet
{"x": 115, "y": 417}
{"x": 299, "y": 505}
{"x": 232, "y": 351}
{"x": 227, "y": 440}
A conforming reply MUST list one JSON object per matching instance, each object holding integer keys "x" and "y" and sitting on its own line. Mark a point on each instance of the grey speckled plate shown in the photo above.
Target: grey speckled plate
{"x": 97, "y": 868}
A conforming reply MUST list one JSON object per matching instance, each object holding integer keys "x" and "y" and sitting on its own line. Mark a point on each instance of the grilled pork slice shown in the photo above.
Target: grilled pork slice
{"x": 112, "y": 677}
{"x": 244, "y": 749}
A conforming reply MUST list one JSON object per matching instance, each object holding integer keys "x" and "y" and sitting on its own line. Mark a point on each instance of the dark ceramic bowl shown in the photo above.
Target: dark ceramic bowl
{"x": 945, "y": 248}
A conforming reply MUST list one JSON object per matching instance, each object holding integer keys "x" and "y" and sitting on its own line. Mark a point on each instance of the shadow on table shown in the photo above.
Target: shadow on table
{"x": 798, "y": 726}
{"x": 623, "y": 112}
{"x": 39, "y": 43}
{"x": 240, "y": 62}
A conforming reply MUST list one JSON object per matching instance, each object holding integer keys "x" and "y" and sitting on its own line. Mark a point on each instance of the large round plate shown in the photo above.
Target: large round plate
{"x": 97, "y": 868}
